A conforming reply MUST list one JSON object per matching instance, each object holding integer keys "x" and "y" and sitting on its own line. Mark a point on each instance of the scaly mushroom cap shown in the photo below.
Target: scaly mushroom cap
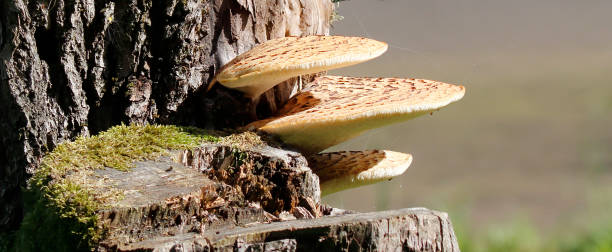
{"x": 335, "y": 109}
{"x": 278, "y": 60}
{"x": 339, "y": 171}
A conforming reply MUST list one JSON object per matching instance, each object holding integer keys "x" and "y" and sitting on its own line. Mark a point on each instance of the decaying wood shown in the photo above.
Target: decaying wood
{"x": 277, "y": 179}
{"x": 254, "y": 197}
{"x": 165, "y": 197}
{"x": 71, "y": 68}
{"x": 415, "y": 229}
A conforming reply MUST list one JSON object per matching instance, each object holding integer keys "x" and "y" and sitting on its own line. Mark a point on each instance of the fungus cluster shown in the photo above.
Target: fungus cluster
{"x": 333, "y": 109}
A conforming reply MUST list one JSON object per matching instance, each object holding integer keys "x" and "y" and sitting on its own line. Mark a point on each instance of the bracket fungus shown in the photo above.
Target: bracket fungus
{"x": 334, "y": 108}
{"x": 343, "y": 170}
{"x": 278, "y": 60}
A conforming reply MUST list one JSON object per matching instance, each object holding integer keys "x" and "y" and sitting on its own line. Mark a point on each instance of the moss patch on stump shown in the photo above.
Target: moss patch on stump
{"x": 61, "y": 200}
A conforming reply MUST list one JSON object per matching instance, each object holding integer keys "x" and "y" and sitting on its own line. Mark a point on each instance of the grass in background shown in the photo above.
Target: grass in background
{"x": 591, "y": 231}
{"x": 517, "y": 235}
{"x": 522, "y": 236}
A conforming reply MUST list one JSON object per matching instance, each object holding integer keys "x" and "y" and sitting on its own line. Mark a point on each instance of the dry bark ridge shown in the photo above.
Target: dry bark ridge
{"x": 71, "y": 68}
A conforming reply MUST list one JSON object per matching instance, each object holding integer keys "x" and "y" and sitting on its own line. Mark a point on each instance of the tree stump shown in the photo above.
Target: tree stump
{"x": 236, "y": 192}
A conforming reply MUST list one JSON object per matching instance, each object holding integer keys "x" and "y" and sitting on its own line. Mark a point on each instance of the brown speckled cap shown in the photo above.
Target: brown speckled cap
{"x": 335, "y": 108}
{"x": 277, "y": 60}
{"x": 343, "y": 170}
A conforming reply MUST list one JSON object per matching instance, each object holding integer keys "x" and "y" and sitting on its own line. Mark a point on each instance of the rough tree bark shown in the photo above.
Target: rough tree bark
{"x": 72, "y": 68}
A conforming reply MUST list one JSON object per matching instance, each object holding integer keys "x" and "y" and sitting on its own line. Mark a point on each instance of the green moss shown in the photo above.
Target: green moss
{"x": 6, "y": 239}
{"x": 61, "y": 199}
{"x": 239, "y": 158}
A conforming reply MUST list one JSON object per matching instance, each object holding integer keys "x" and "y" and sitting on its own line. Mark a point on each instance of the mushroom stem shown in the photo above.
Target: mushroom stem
{"x": 253, "y": 107}
{"x": 211, "y": 84}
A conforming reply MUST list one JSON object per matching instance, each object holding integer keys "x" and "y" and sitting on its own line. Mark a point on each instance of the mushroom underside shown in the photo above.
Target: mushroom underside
{"x": 344, "y": 170}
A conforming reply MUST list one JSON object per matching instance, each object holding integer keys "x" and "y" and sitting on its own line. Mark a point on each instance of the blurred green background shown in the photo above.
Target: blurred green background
{"x": 524, "y": 161}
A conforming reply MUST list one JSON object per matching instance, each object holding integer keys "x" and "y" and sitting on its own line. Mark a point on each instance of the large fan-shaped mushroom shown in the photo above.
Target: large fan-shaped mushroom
{"x": 277, "y": 60}
{"x": 335, "y": 109}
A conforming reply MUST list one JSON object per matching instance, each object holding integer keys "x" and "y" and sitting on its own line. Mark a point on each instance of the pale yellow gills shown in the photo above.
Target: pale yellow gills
{"x": 339, "y": 171}
{"x": 334, "y": 108}
{"x": 278, "y": 60}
